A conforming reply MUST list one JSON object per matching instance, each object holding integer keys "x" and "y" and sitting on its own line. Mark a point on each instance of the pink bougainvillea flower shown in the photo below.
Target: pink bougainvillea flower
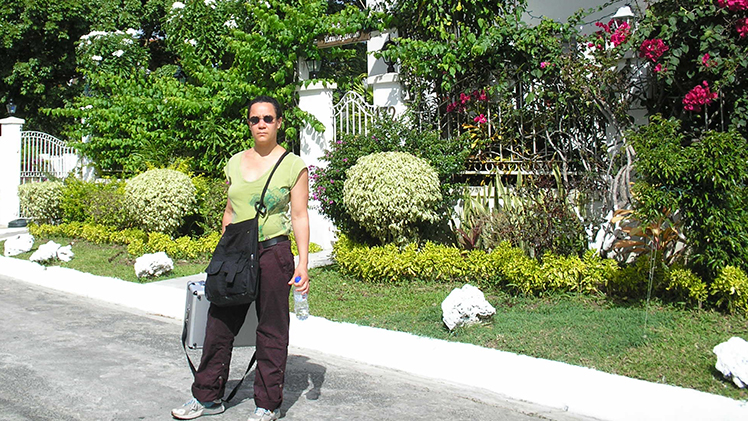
{"x": 543, "y": 64}
{"x": 483, "y": 96}
{"x": 734, "y": 5}
{"x": 605, "y": 27}
{"x": 707, "y": 61}
{"x": 659, "y": 68}
{"x": 451, "y": 107}
{"x": 621, "y": 34}
{"x": 698, "y": 96}
{"x": 464, "y": 98}
{"x": 481, "y": 119}
{"x": 742, "y": 27}
{"x": 653, "y": 49}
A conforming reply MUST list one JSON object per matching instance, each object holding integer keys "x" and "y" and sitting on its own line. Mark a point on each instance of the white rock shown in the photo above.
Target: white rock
{"x": 19, "y": 244}
{"x": 732, "y": 360}
{"x": 65, "y": 253}
{"x": 153, "y": 264}
{"x": 45, "y": 252}
{"x": 465, "y": 306}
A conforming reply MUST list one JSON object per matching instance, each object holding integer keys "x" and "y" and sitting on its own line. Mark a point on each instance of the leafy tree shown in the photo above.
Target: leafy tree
{"x": 704, "y": 179}
{"x": 37, "y": 43}
{"x": 226, "y": 52}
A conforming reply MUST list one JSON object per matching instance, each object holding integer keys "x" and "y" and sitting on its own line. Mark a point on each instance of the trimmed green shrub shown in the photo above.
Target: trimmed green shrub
{"x": 72, "y": 202}
{"x": 41, "y": 201}
{"x": 313, "y": 247}
{"x": 99, "y": 202}
{"x": 106, "y": 204}
{"x": 731, "y": 289}
{"x": 687, "y": 285}
{"x": 503, "y": 267}
{"x": 446, "y": 156}
{"x": 210, "y": 203}
{"x": 99, "y": 234}
{"x": 632, "y": 281}
{"x": 138, "y": 242}
{"x": 392, "y": 195}
{"x": 160, "y": 199}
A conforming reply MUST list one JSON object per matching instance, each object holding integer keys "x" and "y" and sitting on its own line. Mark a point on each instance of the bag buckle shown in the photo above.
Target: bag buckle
{"x": 261, "y": 209}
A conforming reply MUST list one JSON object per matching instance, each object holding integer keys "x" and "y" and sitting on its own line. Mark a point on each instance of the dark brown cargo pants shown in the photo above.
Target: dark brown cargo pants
{"x": 224, "y": 323}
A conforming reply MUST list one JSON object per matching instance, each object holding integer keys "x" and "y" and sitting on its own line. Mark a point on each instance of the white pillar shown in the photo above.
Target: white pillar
{"x": 388, "y": 92}
{"x": 316, "y": 99}
{"x": 10, "y": 168}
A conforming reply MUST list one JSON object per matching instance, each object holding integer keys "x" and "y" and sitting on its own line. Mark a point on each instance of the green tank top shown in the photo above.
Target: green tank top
{"x": 243, "y": 195}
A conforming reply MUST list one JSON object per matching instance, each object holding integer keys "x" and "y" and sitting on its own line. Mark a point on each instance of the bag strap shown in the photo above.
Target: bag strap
{"x": 194, "y": 371}
{"x": 260, "y": 207}
{"x": 249, "y": 367}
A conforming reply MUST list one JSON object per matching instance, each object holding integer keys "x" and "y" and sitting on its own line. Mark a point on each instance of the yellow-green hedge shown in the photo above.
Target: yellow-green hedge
{"x": 505, "y": 265}
{"x": 509, "y": 267}
{"x": 138, "y": 242}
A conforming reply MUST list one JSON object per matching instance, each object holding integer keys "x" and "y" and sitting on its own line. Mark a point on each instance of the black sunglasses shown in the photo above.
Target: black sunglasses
{"x": 267, "y": 119}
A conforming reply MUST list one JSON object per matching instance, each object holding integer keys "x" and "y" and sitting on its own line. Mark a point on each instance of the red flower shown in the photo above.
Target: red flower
{"x": 659, "y": 68}
{"x": 706, "y": 60}
{"x": 653, "y": 49}
{"x": 619, "y": 37}
{"x": 698, "y": 96}
{"x": 605, "y": 27}
{"x": 742, "y": 27}
{"x": 481, "y": 119}
{"x": 734, "y": 5}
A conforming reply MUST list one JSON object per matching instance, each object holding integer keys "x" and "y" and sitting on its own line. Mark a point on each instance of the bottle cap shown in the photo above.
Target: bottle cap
{"x": 297, "y": 279}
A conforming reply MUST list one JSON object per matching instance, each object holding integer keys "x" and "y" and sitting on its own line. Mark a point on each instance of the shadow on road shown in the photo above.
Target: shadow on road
{"x": 303, "y": 378}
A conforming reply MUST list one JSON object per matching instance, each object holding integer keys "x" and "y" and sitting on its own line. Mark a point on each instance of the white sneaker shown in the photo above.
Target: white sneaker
{"x": 262, "y": 414}
{"x": 193, "y": 409}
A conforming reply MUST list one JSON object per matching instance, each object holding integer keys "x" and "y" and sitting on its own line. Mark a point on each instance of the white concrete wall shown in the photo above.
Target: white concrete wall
{"x": 561, "y": 10}
{"x": 388, "y": 92}
{"x": 10, "y": 168}
{"x": 316, "y": 99}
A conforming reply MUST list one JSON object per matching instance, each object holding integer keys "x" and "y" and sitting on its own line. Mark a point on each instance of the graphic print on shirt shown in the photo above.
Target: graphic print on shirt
{"x": 276, "y": 202}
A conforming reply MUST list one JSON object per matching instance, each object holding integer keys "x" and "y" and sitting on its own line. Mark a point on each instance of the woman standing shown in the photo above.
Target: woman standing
{"x": 247, "y": 173}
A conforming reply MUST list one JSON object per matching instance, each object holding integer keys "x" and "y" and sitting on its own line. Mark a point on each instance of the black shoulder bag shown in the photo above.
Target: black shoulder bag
{"x": 232, "y": 272}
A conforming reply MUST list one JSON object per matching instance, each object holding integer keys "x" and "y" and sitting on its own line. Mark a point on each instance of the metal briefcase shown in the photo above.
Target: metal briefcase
{"x": 196, "y": 318}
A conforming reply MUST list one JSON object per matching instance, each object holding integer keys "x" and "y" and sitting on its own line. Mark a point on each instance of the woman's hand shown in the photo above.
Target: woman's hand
{"x": 303, "y": 284}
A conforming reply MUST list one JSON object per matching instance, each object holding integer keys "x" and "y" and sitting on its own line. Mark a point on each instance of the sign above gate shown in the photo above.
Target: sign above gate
{"x": 328, "y": 41}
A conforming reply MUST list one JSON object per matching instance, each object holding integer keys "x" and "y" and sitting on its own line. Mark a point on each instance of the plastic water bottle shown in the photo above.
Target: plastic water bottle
{"x": 300, "y": 303}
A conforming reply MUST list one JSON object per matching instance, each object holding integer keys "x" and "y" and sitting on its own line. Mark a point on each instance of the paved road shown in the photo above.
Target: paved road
{"x": 65, "y": 357}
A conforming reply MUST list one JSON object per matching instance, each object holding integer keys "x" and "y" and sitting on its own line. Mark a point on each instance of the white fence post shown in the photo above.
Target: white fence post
{"x": 316, "y": 99}
{"x": 10, "y": 168}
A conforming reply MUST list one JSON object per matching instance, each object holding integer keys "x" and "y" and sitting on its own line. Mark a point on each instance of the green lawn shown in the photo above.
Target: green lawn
{"x": 660, "y": 342}
{"x": 110, "y": 260}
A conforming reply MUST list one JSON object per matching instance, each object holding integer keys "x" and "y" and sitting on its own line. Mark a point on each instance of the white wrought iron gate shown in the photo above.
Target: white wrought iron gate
{"x": 353, "y": 115}
{"x": 43, "y": 156}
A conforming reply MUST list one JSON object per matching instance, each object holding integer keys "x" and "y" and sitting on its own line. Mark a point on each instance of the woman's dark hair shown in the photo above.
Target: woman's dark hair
{"x": 267, "y": 99}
